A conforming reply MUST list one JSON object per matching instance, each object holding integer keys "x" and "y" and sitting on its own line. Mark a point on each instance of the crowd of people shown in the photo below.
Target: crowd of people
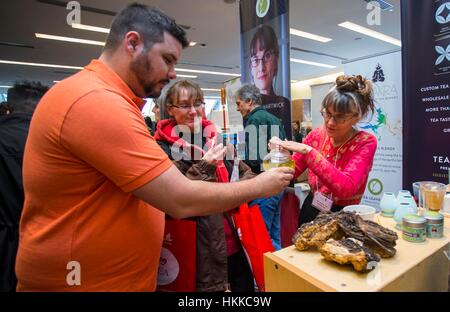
{"x": 97, "y": 191}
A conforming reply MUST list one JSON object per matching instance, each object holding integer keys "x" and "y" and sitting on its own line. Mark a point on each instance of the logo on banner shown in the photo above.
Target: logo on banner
{"x": 262, "y": 7}
{"x": 443, "y": 13}
{"x": 378, "y": 75}
{"x": 442, "y": 54}
{"x": 375, "y": 187}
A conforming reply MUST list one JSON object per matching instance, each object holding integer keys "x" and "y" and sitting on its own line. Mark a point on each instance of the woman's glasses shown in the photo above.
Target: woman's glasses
{"x": 267, "y": 57}
{"x": 338, "y": 118}
{"x": 186, "y": 107}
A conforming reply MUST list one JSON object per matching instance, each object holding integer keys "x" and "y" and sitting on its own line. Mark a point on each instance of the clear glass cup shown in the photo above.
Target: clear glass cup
{"x": 416, "y": 190}
{"x": 432, "y": 195}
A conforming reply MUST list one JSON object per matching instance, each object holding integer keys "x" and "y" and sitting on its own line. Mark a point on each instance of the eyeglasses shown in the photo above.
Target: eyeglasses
{"x": 338, "y": 118}
{"x": 267, "y": 57}
{"x": 186, "y": 107}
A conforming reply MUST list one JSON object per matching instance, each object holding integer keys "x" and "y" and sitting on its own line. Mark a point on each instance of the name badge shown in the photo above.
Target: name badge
{"x": 321, "y": 202}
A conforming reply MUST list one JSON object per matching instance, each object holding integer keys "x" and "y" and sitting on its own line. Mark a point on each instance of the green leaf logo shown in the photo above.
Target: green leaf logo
{"x": 375, "y": 187}
{"x": 262, "y": 7}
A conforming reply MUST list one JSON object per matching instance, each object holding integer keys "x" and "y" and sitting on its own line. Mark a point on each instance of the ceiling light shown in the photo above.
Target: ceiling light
{"x": 307, "y": 35}
{"x": 6, "y": 87}
{"x": 39, "y": 64}
{"x": 69, "y": 39}
{"x": 192, "y": 43}
{"x": 311, "y": 63}
{"x": 90, "y": 28}
{"x": 319, "y": 80}
{"x": 371, "y": 33}
{"x": 214, "y": 90}
{"x": 56, "y": 81}
{"x": 187, "y": 76}
{"x": 206, "y": 72}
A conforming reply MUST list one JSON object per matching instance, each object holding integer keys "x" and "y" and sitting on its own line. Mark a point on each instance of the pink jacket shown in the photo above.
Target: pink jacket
{"x": 341, "y": 171}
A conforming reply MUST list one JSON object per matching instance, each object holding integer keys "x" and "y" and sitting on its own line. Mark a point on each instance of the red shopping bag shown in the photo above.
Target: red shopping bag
{"x": 254, "y": 238}
{"x": 177, "y": 263}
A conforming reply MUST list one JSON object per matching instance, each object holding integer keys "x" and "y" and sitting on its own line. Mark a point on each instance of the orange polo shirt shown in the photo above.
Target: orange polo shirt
{"x": 87, "y": 149}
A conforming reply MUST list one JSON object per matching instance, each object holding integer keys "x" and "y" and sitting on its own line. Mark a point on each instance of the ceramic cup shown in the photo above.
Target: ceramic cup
{"x": 388, "y": 204}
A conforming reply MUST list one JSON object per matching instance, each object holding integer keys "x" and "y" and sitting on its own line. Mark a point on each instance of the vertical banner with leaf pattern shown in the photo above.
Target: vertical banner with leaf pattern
{"x": 386, "y": 124}
{"x": 426, "y": 93}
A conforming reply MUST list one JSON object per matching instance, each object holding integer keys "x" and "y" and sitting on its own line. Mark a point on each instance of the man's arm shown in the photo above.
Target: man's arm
{"x": 179, "y": 197}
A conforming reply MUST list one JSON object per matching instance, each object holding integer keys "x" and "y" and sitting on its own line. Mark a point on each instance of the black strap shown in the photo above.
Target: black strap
{"x": 233, "y": 228}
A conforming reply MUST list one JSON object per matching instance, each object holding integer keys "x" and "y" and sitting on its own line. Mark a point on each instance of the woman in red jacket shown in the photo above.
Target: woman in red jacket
{"x": 190, "y": 141}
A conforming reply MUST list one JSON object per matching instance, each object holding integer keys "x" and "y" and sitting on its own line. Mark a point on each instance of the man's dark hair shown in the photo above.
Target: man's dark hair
{"x": 24, "y": 96}
{"x": 149, "y": 22}
{"x": 4, "y": 109}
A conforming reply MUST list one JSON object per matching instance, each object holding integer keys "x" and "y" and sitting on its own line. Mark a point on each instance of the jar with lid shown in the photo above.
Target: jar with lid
{"x": 278, "y": 158}
{"x": 413, "y": 228}
{"x": 435, "y": 224}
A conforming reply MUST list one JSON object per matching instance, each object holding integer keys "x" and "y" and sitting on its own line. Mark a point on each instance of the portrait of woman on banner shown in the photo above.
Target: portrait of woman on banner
{"x": 264, "y": 58}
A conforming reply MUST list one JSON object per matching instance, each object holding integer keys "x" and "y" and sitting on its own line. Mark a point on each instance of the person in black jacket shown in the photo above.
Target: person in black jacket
{"x": 22, "y": 99}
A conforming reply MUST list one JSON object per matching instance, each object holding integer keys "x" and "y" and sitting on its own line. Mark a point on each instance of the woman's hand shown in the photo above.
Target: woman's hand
{"x": 214, "y": 154}
{"x": 289, "y": 145}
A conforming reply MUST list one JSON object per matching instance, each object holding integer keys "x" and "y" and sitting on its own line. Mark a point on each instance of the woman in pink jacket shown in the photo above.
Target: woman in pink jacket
{"x": 338, "y": 156}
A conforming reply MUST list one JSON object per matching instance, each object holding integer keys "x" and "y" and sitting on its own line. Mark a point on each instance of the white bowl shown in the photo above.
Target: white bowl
{"x": 364, "y": 211}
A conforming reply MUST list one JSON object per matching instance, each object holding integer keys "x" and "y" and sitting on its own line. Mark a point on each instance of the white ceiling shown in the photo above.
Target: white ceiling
{"x": 212, "y": 22}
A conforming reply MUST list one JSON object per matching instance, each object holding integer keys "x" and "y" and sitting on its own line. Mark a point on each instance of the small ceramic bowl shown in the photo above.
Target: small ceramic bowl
{"x": 364, "y": 211}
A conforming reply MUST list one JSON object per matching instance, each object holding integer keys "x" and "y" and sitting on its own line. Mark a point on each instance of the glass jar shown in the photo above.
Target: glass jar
{"x": 278, "y": 158}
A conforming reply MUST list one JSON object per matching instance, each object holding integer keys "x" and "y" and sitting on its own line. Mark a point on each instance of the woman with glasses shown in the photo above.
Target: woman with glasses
{"x": 190, "y": 140}
{"x": 264, "y": 53}
{"x": 338, "y": 156}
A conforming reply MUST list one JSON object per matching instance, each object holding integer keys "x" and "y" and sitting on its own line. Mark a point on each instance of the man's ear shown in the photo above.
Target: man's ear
{"x": 133, "y": 42}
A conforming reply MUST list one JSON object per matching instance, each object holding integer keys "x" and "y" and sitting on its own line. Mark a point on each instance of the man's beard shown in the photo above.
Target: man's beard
{"x": 143, "y": 70}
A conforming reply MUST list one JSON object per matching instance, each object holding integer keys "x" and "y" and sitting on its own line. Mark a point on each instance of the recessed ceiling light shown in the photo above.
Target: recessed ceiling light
{"x": 308, "y": 35}
{"x": 208, "y": 89}
{"x": 311, "y": 63}
{"x": 370, "y": 33}
{"x": 206, "y": 72}
{"x": 39, "y": 64}
{"x": 90, "y": 28}
{"x": 69, "y": 39}
{"x": 106, "y": 31}
{"x": 187, "y": 76}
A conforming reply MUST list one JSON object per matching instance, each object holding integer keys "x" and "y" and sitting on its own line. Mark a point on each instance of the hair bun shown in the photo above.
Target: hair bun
{"x": 351, "y": 83}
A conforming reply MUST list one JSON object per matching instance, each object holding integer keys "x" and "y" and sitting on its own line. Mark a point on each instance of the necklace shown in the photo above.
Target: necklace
{"x": 352, "y": 133}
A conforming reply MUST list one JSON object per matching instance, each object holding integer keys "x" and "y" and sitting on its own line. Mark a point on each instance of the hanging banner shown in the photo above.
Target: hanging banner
{"x": 386, "y": 124}
{"x": 265, "y": 54}
{"x": 426, "y": 79}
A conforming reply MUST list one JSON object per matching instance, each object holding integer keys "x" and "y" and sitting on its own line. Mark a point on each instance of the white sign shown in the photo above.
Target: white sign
{"x": 386, "y": 124}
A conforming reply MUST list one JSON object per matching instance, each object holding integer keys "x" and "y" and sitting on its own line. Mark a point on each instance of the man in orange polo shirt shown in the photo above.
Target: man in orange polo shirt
{"x": 96, "y": 183}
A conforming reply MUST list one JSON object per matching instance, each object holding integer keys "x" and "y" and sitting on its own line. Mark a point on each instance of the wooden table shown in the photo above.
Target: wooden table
{"x": 415, "y": 267}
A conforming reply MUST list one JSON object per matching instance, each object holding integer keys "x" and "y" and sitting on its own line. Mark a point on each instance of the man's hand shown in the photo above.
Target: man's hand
{"x": 273, "y": 181}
